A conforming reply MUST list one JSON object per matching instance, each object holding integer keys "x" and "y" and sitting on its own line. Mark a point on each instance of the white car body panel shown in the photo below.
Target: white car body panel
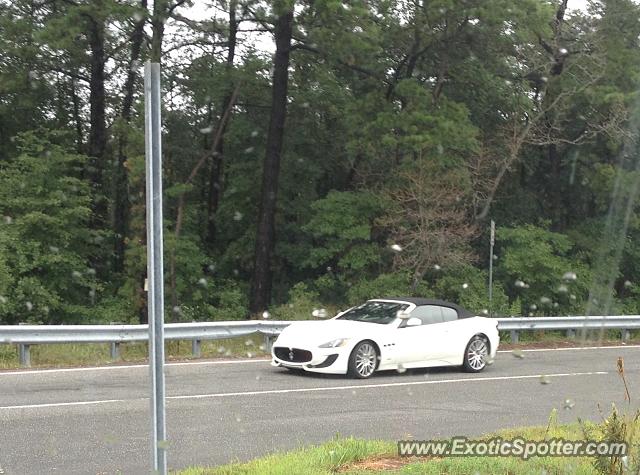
{"x": 437, "y": 344}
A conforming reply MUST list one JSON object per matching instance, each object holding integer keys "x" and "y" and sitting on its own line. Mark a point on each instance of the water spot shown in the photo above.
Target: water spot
{"x": 572, "y": 297}
{"x": 29, "y": 306}
{"x": 319, "y": 313}
{"x": 544, "y": 379}
{"x": 258, "y": 378}
{"x": 518, "y": 354}
{"x": 92, "y": 293}
{"x": 236, "y": 272}
{"x": 3, "y": 299}
{"x": 627, "y": 284}
{"x": 556, "y": 304}
{"x": 211, "y": 268}
{"x": 255, "y": 133}
{"x": 465, "y": 286}
{"x": 249, "y": 354}
{"x": 489, "y": 360}
{"x": 262, "y": 348}
{"x": 401, "y": 369}
{"x": 8, "y": 220}
{"x": 138, "y": 16}
{"x": 206, "y": 130}
{"x": 563, "y": 51}
{"x": 227, "y": 353}
{"x": 249, "y": 149}
{"x": 568, "y": 404}
{"x": 305, "y": 105}
{"x": 436, "y": 267}
{"x": 54, "y": 249}
{"x": 221, "y": 349}
{"x": 440, "y": 149}
{"x": 265, "y": 315}
{"x": 358, "y": 29}
{"x": 396, "y": 247}
{"x": 177, "y": 310}
{"x": 75, "y": 274}
{"x": 520, "y": 284}
{"x": 329, "y": 268}
{"x": 202, "y": 282}
{"x": 563, "y": 289}
{"x": 495, "y": 258}
{"x": 248, "y": 343}
{"x": 163, "y": 444}
{"x": 237, "y": 216}
{"x": 569, "y": 276}
{"x": 353, "y": 392}
{"x": 545, "y": 301}
{"x": 91, "y": 271}
{"x": 484, "y": 311}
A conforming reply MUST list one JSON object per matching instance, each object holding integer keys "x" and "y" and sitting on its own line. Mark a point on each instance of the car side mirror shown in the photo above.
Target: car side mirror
{"x": 414, "y": 322}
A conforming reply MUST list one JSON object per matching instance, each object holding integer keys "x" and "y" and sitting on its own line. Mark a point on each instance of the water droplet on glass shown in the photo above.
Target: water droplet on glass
{"x": 54, "y": 249}
{"x": 563, "y": 289}
{"x": 401, "y": 369}
{"x": 265, "y": 315}
{"x": 485, "y": 311}
{"x": 568, "y": 404}
{"x": 255, "y": 133}
{"x": 8, "y": 220}
{"x": 520, "y": 284}
{"x": 206, "y": 130}
{"x": 138, "y": 16}
{"x": 518, "y": 354}
{"x": 91, "y": 271}
{"x": 221, "y": 349}
{"x": 237, "y": 216}
{"x": 319, "y": 313}
{"x": 3, "y": 299}
{"x": 569, "y": 276}
{"x": 329, "y": 268}
{"x": 238, "y": 419}
{"x": 258, "y": 378}
{"x": 227, "y": 353}
{"x": 563, "y": 51}
{"x": 248, "y": 343}
{"x": 249, "y": 354}
{"x": 262, "y": 348}
{"x": 572, "y": 297}
{"x": 202, "y": 282}
{"x": 545, "y": 379}
{"x": 249, "y": 149}
{"x": 177, "y": 310}
{"x": 396, "y": 247}
{"x": 436, "y": 267}
{"x": 545, "y": 301}
{"x": 75, "y": 274}
{"x": 465, "y": 286}
{"x": 627, "y": 284}
{"x": 29, "y": 306}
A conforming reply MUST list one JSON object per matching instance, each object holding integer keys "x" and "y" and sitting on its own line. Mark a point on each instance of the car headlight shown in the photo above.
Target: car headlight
{"x": 334, "y": 343}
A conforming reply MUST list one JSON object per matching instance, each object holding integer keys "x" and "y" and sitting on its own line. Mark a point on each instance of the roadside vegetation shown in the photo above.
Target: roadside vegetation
{"x": 363, "y": 457}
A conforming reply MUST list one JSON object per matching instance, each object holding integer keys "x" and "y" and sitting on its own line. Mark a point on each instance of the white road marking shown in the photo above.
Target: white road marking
{"x": 254, "y": 360}
{"x": 315, "y": 389}
{"x": 105, "y": 368}
{"x": 571, "y": 349}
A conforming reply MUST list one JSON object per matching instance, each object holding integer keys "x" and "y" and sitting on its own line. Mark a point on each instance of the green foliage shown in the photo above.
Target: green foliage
{"x": 537, "y": 267}
{"x": 46, "y": 244}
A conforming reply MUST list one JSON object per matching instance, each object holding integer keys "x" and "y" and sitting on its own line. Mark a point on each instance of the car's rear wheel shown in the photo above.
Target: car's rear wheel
{"x": 476, "y": 354}
{"x": 363, "y": 360}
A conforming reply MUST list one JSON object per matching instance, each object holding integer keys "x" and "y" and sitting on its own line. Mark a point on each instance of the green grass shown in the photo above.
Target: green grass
{"x": 353, "y": 457}
{"x": 98, "y": 354}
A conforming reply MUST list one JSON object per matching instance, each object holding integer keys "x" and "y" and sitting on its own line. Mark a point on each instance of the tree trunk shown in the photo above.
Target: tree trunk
{"x": 216, "y": 171}
{"x": 260, "y": 295}
{"x": 122, "y": 205}
{"x": 98, "y": 132}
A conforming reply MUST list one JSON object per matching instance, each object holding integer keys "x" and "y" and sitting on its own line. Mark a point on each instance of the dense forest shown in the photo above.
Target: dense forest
{"x": 319, "y": 153}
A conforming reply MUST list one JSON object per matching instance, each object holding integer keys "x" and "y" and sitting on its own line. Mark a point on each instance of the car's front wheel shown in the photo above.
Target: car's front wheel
{"x": 476, "y": 354}
{"x": 363, "y": 360}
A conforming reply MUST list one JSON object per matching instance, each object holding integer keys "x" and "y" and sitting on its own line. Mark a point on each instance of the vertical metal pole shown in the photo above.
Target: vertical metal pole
{"x": 155, "y": 297}
{"x": 492, "y": 242}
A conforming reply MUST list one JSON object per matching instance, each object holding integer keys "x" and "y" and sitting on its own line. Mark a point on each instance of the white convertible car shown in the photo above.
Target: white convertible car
{"x": 387, "y": 334}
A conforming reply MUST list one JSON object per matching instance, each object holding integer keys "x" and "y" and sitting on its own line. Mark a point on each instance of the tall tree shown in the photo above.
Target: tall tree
{"x": 261, "y": 282}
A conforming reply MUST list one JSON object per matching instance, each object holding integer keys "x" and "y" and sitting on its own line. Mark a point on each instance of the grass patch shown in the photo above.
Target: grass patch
{"x": 364, "y": 457}
{"x": 90, "y": 354}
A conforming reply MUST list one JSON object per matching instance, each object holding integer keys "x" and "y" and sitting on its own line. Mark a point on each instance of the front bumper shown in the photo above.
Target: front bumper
{"x": 320, "y": 360}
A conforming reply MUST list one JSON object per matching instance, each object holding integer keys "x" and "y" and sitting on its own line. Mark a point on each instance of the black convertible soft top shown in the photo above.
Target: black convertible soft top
{"x": 462, "y": 312}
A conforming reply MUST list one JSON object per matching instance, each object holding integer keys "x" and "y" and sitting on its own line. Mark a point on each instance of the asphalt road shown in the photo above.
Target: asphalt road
{"x": 96, "y": 420}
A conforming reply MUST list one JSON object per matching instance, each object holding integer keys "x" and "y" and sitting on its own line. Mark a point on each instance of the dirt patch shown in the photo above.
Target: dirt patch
{"x": 381, "y": 463}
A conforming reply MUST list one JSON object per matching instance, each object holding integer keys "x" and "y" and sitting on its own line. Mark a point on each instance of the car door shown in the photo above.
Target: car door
{"x": 423, "y": 343}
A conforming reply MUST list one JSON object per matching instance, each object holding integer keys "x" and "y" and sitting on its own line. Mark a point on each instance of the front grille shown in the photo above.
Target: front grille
{"x": 293, "y": 355}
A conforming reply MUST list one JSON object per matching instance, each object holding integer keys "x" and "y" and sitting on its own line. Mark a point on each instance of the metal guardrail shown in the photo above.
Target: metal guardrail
{"x": 26, "y": 335}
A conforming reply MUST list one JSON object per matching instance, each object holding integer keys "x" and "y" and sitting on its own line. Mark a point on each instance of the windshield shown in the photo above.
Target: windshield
{"x": 374, "y": 312}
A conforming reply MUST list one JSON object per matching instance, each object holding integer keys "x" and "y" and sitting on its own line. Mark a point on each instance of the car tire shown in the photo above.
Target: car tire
{"x": 363, "y": 360}
{"x": 476, "y": 354}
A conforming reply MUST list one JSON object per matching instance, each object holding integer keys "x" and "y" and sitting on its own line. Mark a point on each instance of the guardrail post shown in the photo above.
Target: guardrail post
{"x": 196, "y": 348}
{"x": 626, "y": 334}
{"x": 25, "y": 355}
{"x": 514, "y": 336}
{"x": 115, "y": 350}
{"x": 268, "y": 343}
{"x": 571, "y": 333}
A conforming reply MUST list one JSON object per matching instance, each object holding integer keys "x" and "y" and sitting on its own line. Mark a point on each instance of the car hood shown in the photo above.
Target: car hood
{"x": 317, "y": 333}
